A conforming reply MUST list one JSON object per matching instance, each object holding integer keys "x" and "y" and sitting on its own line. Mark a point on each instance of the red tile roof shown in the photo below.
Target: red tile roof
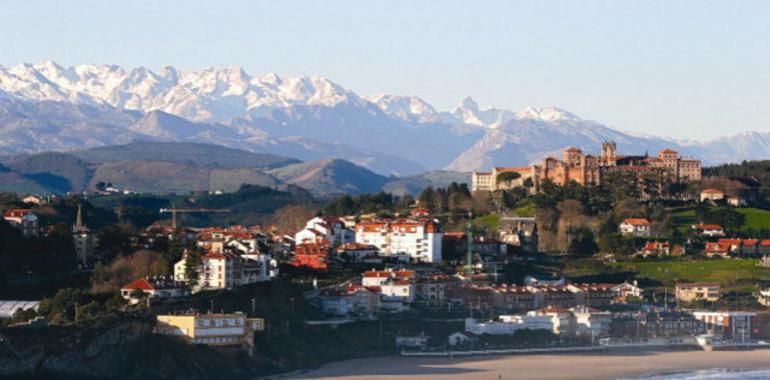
{"x": 637, "y": 221}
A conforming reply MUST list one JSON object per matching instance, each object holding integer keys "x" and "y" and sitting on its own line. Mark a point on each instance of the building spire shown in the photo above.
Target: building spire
{"x": 79, "y": 219}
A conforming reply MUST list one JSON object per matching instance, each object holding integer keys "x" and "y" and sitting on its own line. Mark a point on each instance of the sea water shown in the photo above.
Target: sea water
{"x": 709, "y": 374}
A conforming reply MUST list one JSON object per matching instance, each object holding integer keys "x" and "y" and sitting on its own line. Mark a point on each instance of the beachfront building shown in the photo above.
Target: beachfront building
{"x": 698, "y": 291}
{"x": 731, "y": 325}
{"x": 211, "y": 329}
{"x": 509, "y": 324}
{"x": 419, "y": 239}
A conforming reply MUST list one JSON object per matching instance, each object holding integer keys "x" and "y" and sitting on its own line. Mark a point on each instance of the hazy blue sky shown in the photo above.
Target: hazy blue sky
{"x": 694, "y": 69}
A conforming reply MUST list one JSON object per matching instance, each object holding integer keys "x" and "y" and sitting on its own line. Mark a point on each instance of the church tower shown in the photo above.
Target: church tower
{"x": 608, "y": 154}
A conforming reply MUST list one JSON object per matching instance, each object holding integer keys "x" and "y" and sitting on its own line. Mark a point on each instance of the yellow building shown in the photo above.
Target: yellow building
{"x": 211, "y": 329}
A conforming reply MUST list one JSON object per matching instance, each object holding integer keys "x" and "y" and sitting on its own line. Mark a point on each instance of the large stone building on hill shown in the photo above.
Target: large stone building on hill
{"x": 586, "y": 169}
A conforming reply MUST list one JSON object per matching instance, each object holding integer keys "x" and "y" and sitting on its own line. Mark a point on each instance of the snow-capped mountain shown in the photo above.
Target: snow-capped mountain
{"x": 212, "y": 94}
{"x": 469, "y": 112}
{"x": 47, "y": 106}
{"x": 409, "y": 108}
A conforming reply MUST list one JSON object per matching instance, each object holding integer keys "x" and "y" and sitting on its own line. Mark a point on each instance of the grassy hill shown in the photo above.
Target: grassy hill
{"x": 170, "y": 177}
{"x": 416, "y": 183}
{"x": 59, "y": 172}
{"x": 330, "y": 177}
{"x": 205, "y": 155}
{"x": 756, "y": 219}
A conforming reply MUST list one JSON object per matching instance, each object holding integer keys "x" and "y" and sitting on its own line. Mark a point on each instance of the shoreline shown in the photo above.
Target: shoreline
{"x": 557, "y": 366}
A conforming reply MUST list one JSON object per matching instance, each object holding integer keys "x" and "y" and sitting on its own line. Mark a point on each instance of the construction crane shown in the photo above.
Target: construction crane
{"x": 174, "y": 211}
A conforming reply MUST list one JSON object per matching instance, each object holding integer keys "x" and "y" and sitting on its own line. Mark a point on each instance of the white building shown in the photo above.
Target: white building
{"x": 211, "y": 329}
{"x": 154, "y": 289}
{"x": 592, "y": 322}
{"x": 216, "y": 271}
{"x": 639, "y": 227}
{"x": 509, "y": 324}
{"x": 258, "y": 268}
{"x": 420, "y": 239}
{"x": 319, "y": 229}
{"x": 22, "y": 219}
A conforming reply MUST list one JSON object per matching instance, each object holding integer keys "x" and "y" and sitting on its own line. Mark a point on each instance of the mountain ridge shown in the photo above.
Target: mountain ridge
{"x": 46, "y": 106}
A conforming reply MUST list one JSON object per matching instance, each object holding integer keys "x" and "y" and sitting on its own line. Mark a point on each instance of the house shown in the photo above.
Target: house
{"x": 210, "y": 329}
{"x": 656, "y": 248}
{"x": 733, "y": 325}
{"x": 356, "y": 252}
{"x": 737, "y": 201}
{"x": 717, "y": 249}
{"x": 258, "y": 267}
{"x": 663, "y": 323}
{"x": 637, "y": 227}
{"x": 22, "y": 219}
{"x": 379, "y": 277}
{"x": 563, "y": 320}
{"x": 709, "y": 230}
{"x": 331, "y": 230}
{"x": 763, "y": 297}
{"x": 344, "y": 300}
{"x": 154, "y": 289}
{"x": 311, "y": 255}
{"x": 698, "y": 291}
{"x": 420, "y": 239}
{"x": 519, "y": 232}
{"x": 626, "y": 289}
{"x": 419, "y": 212}
{"x": 711, "y": 194}
{"x": 412, "y": 341}
{"x": 460, "y": 339}
{"x": 32, "y": 200}
{"x": 749, "y": 247}
{"x": 398, "y": 290}
{"x": 592, "y": 322}
{"x": 764, "y": 247}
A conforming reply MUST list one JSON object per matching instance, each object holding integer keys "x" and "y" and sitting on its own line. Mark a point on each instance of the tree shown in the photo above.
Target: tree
{"x": 292, "y": 218}
{"x": 193, "y": 260}
{"x": 114, "y": 240}
{"x": 126, "y": 269}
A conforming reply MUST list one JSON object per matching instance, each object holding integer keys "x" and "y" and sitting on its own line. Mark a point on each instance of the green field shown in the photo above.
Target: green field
{"x": 489, "y": 222}
{"x": 525, "y": 209}
{"x": 756, "y": 219}
{"x": 683, "y": 220}
{"x": 730, "y": 272}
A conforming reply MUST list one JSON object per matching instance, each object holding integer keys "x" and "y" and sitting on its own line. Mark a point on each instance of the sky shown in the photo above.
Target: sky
{"x": 684, "y": 69}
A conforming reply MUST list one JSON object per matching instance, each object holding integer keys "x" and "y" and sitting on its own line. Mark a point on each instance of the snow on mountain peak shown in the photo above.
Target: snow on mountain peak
{"x": 212, "y": 94}
{"x": 549, "y": 114}
{"x": 409, "y": 108}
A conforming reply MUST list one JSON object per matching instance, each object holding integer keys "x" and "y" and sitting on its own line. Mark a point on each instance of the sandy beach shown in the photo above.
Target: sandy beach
{"x": 538, "y": 367}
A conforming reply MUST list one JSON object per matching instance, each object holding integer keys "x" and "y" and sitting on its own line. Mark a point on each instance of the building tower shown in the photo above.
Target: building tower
{"x": 608, "y": 154}
{"x": 84, "y": 240}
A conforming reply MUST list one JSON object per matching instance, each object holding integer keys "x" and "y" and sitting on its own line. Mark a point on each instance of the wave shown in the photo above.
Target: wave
{"x": 709, "y": 374}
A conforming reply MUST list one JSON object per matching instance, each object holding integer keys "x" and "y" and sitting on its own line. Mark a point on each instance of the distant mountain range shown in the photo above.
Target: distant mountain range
{"x": 183, "y": 167}
{"x": 47, "y": 107}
